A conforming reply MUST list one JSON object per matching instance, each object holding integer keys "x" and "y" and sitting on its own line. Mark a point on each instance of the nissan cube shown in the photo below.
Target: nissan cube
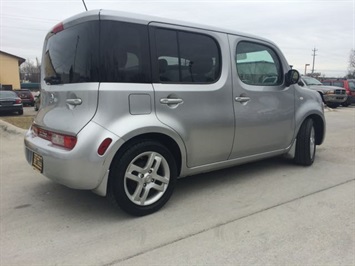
{"x": 130, "y": 102}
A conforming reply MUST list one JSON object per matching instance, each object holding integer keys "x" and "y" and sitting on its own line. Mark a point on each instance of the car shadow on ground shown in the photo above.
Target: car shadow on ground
{"x": 85, "y": 205}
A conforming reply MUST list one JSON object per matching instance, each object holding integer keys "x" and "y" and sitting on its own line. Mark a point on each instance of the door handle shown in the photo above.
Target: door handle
{"x": 242, "y": 99}
{"x": 74, "y": 101}
{"x": 171, "y": 101}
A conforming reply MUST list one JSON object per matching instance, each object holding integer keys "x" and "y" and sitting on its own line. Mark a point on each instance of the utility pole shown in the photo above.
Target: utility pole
{"x": 314, "y": 57}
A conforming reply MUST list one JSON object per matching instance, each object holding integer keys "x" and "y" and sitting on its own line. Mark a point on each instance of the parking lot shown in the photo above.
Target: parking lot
{"x": 268, "y": 212}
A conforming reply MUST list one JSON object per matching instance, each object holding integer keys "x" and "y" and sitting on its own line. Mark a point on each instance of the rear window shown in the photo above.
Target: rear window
{"x": 71, "y": 55}
{"x": 106, "y": 51}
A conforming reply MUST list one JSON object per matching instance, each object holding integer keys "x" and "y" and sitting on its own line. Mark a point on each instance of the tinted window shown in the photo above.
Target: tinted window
{"x": 258, "y": 64}
{"x": 185, "y": 57}
{"x": 106, "y": 51}
{"x": 71, "y": 55}
{"x": 124, "y": 53}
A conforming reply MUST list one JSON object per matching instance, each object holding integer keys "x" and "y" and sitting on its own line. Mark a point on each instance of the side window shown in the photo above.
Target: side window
{"x": 352, "y": 85}
{"x": 185, "y": 57}
{"x": 124, "y": 52}
{"x": 258, "y": 64}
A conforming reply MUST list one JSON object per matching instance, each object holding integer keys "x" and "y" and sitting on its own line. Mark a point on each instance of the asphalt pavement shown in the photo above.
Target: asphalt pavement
{"x": 270, "y": 212}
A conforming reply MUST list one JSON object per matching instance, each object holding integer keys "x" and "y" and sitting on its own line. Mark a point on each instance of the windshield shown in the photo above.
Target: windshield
{"x": 311, "y": 81}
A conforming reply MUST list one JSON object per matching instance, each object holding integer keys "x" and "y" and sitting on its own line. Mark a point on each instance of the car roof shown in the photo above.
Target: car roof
{"x": 103, "y": 14}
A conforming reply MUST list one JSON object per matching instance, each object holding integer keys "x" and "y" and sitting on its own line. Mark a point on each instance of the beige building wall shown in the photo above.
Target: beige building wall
{"x": 9, "y": 70}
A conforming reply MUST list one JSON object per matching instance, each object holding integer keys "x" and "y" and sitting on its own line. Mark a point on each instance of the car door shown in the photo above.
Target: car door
{"x": 263, "y": 104}
{"x": 193, "y": 90}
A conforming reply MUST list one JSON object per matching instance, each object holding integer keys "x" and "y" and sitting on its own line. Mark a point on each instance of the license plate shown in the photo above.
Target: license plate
{"x": 37, "y": 162}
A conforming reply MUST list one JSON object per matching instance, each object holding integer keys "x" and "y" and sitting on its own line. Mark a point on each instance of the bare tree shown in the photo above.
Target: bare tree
{"x": 351, "y": 69}
{"x": 30, "y": 71}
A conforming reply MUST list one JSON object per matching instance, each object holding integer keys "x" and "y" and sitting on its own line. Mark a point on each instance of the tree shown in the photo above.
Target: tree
{"x": 351, "y": 69}
{"x": 30, "y": 71}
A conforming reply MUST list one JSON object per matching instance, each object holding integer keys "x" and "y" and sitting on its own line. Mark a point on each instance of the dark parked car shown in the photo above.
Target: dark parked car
{"x": 347, "y": 84}
{"x": 10, "y": 102}
{"x": 26, "y": 97}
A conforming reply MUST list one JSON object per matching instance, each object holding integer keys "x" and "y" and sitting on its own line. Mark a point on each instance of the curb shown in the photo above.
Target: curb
{"x": 11, "y": 129}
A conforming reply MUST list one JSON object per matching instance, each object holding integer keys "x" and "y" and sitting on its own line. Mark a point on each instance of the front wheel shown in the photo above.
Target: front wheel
{"x": 333, "y": 105}
{"x": 142, "y": 178}
{"x": 306, "y": 144}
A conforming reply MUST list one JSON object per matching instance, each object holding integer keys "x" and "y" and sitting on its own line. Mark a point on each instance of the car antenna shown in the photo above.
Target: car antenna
{"x": 84, "y": 5}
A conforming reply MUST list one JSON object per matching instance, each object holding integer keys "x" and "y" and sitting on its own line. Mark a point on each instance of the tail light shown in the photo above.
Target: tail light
{"x": 57, "y": 28}
{"x": 61, "y": 140}
{"x": 18, "y": 101}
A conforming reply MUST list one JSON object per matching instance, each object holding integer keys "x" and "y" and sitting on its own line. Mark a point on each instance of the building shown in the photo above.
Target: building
{"x": 9, "y": 71}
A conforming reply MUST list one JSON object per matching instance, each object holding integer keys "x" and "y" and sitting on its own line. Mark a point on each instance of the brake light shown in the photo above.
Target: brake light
{"x": 57, "y": 28}
{"x": 18, "y": 100}
{"x": 62, "y": 140}
{"x": 103, "y": 146}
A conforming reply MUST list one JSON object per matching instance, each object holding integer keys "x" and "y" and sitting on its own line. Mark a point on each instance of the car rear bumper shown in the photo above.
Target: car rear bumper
{"x": 80, "y": 168}
{"x": 12, "y": 108}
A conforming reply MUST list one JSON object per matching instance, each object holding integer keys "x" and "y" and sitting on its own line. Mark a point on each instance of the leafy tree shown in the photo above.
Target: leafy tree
{"x": 30, "y": 71}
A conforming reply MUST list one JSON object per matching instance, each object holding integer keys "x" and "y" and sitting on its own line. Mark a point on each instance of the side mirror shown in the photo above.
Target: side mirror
{"x": 292, "y": 77}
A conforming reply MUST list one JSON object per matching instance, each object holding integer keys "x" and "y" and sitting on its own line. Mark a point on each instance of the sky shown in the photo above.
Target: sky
{"x": 296, "y": 26}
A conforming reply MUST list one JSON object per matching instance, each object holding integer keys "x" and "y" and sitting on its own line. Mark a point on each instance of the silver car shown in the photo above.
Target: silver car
{"x": 332, "y": 96}
{"x": 130, "y": 102}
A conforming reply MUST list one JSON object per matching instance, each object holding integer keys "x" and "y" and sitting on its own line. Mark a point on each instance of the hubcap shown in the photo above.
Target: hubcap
{"x": 312, "y": 143}
{"x": 146, "y": 178}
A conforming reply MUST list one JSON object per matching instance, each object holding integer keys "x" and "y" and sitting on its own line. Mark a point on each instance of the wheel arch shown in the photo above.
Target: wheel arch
{"x": 164, "y": 139}
{"x": 319, "y": 127}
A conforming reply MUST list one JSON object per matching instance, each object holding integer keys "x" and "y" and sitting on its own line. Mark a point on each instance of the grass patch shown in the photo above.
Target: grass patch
{"x": 19, "y": 121}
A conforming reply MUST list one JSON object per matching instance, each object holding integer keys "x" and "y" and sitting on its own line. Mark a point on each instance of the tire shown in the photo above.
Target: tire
{"x": 306, "y": 145}
{"x": 332, "y": 105}
{"x": 142, "y": 178}
{"x": 20, "y": 112}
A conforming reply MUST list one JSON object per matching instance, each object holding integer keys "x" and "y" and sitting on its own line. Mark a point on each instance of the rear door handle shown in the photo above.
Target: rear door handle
{"x": 242, "y": 99}
{"x": 74, "y": 101}
{"x": 171, "y": 101}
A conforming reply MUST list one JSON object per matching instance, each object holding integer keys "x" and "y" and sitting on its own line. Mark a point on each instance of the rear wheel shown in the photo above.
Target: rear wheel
{"x": 142, "y": 179}
{"x": 306, "y": 144}
{"x": 20, "y": 112}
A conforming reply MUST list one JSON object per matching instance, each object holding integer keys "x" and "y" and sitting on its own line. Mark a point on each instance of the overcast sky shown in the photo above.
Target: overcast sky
{"x": 295, "y": 26}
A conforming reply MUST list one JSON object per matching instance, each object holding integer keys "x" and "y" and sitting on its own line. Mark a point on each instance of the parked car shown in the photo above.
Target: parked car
{"x": 149, "y": 100}
{"x": 37, "y": 101}
{"x": 332, "y": 96}
{"x": 347, "y": 84}
{"x": 26, "y": 97}
{"x": 10, "y": 102}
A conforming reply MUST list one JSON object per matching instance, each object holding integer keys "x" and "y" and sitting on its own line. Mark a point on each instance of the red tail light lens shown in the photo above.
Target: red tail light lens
{"x": 57, "y": 28}
{"x": 62, "y": 140}
{"x": 18, "y": 100}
